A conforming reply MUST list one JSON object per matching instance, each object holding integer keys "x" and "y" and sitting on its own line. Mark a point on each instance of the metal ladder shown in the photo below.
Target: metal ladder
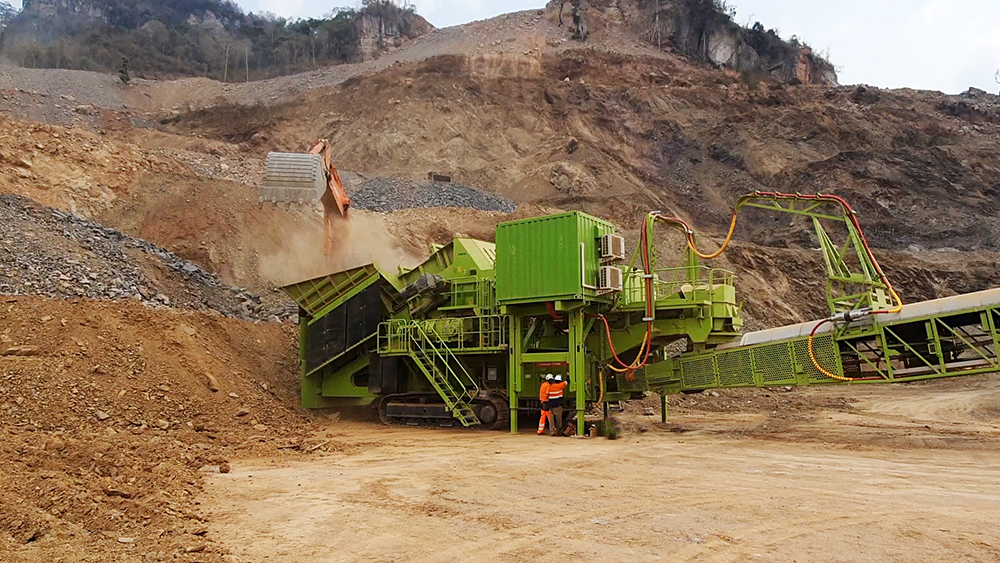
{"x": 445, "y": 372}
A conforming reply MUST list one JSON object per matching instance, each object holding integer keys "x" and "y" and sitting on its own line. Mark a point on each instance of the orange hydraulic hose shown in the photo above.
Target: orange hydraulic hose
{"x": 645, "y": 350}
{"x": 831, "y": 375}
{"x": 725, "y": 243}
{"x": 851, "y": 216}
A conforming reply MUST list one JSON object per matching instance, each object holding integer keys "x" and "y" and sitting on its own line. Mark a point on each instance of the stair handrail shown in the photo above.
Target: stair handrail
{"x": 449, "y": 360}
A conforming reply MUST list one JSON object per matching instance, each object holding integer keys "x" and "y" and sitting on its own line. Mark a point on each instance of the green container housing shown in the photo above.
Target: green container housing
{"x": 551, "y": 258}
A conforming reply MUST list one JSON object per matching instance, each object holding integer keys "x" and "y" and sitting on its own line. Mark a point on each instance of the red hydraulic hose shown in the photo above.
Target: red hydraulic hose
{"x": 607, "y": 331}
{"x": 650, "y": 293}
{"x": 851, "y": 216}
{"x": 552, "y": 311}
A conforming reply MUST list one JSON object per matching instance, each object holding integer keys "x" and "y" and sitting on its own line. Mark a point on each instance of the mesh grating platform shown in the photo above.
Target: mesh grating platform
{"x": 826, "y": 354}
{"x": 930, "y": 341}
{"x": 774, "y": 363}
{"x": 699, "y": 373}
{"x": 735, "y": 368}
{"x": 639, "y": 382}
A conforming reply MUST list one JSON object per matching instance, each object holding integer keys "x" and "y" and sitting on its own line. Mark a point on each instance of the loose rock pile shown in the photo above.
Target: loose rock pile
{"x": 392, "y": 194}
{"x": 974, "y": 106}
{"x": 53, "y": 253}
{"x": 239, "y": 169}
{"x": 71, "y": 86}
{"x": 110, "y": 413}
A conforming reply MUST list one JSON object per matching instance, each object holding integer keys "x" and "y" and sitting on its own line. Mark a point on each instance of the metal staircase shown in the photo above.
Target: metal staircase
{"x": 430, "y": 353}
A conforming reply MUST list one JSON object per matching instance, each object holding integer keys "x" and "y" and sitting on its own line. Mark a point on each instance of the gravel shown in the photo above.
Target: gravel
{"x": 392, "y": 194}
{"x": 44, "y": 251}
{"x": 65, "y": 86}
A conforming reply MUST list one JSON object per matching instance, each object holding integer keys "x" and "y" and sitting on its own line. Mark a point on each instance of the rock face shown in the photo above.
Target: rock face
{"x": 573, "y": 13}
{"x": 702, "y": 30}
{"x": 53, "y": 8}
{"x": 378, "y": 32}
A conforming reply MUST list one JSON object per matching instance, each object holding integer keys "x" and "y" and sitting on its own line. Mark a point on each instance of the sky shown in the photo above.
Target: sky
{"x": 946, "y": 45}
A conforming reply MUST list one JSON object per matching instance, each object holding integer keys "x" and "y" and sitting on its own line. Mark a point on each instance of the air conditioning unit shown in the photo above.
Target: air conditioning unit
{"x": 612, "y": 247}
{"x": 611, "y": 279}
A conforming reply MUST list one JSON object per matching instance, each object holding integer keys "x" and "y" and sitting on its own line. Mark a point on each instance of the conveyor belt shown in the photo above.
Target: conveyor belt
{"x": 965, "y": 302}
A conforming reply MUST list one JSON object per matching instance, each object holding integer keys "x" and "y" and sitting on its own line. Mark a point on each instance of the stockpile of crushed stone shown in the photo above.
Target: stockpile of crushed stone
{"x": 44, "y": 251}
{"x": 73, "y": 86}
{"x": 392, "y": 194}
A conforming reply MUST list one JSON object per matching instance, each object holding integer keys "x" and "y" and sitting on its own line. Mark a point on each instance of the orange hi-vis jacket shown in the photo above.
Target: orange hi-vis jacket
{"x": 556, "y": 391}
{"x": 543, "y": 393}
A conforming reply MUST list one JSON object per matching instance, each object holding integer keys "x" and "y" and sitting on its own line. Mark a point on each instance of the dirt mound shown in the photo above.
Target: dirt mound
{"x": 109, "y": 410}
{"x": 70, "y": 169}
{"x": 618, "y": 134}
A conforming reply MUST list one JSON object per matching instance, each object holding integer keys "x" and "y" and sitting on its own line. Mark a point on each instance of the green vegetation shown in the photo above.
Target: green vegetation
{"x": 7, "y": 13}
{"x": 213, "y": 38}
{"x": 123, "y": 72}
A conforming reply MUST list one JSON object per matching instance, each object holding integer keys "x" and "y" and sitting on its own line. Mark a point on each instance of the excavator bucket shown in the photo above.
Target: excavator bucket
{"x": 292, "y": 178}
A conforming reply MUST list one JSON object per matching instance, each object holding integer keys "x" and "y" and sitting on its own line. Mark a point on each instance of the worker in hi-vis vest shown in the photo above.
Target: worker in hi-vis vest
{"x": 543, "y": 396}
{"x": 556, "y": 404}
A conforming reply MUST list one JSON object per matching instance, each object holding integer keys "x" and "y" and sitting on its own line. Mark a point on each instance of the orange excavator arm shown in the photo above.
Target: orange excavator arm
{"x": 336, "y": 194}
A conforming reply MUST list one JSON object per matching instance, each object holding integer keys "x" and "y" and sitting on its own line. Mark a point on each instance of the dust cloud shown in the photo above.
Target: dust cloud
{"x": 362, "y": 239}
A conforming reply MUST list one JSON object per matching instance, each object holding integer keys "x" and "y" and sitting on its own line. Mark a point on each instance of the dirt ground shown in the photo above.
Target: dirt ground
{"x": 874, "y": 474}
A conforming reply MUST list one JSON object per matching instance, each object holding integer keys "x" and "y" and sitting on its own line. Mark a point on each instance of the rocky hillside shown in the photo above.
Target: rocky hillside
{"x": 524, "y": 107}
{"x": 616, "y": 127}
{"x": 213, "y": 38}
{"x": 618, "y": 134}
{"x": 702, "y": 30}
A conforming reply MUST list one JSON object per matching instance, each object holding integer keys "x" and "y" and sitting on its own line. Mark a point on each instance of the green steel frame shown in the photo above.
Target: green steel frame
{"x": 955, "y": 343}
{"x": 852, "y": 281}
{"x": 472, "y": 319}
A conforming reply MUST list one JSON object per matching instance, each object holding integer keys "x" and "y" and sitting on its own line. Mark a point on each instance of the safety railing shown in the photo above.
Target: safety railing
{"x": 394, "y": 337}
{"x": 460, "y": 334}
{"x": 471, "y": 293}
{"x": 455, "y": 382}
{"x": 685, "y": 283}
